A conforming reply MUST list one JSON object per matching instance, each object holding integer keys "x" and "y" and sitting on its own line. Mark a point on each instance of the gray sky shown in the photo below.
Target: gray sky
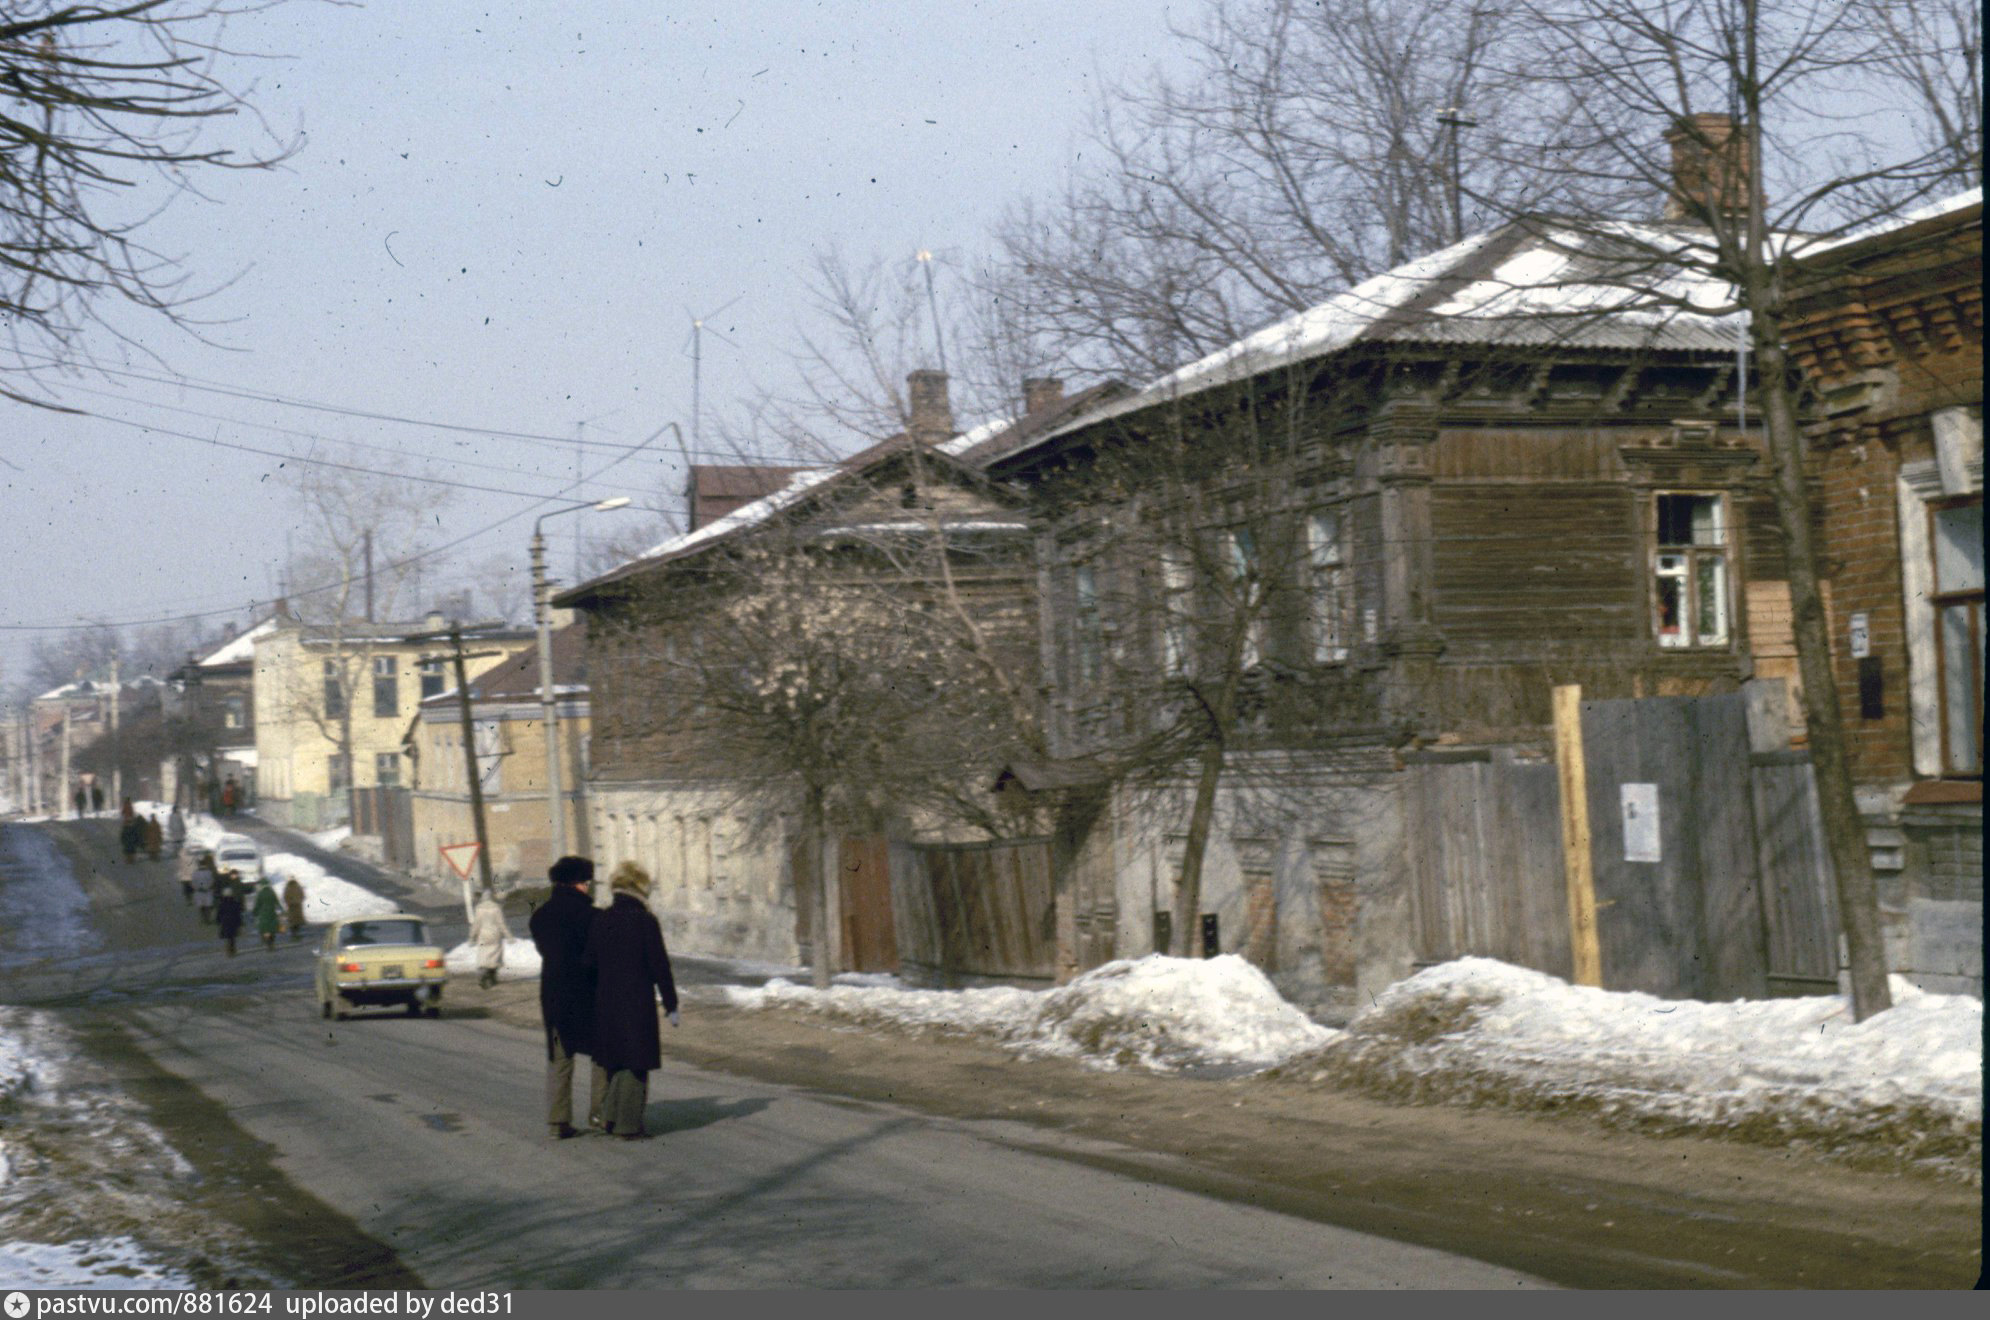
{"x": 499, "y": 220}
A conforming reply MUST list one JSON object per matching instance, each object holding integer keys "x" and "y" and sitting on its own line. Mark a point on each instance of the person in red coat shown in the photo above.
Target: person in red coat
{"x": 632, "y": 970}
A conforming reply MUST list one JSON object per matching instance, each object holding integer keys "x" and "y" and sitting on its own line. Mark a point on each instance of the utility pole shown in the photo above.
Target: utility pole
{"x": 117, "y": 759}
{"x": 62, "y": 789}
{"x": 369, "y": 574}
{"x": 549, "y": 707}
{"x": 454, "y": 635}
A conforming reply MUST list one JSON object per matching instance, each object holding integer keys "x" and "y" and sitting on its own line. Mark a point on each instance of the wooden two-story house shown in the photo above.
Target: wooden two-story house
{"x": 1356, "y": 552}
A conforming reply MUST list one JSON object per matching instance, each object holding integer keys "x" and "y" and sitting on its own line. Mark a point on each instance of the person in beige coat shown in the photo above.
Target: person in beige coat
{"x": 488, "y": 932}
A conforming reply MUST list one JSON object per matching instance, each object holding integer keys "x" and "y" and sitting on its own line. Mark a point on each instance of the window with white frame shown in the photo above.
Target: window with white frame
{"x": 1955, "y": 530}
{"x": 235, "y": 712}
{"x": 386, "y": 687}
{"x": 334, "y": 690}
{"x": 1327, "y": 594}
{"x": 338, "y": 773}
{"x": 431, "y": 679}
{"x": 1690, "y": 577}
{"x": 387, "y": 769}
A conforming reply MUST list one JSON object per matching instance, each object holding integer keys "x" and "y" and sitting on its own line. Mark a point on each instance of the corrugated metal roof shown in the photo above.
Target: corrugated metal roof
{"x": 1531, "y": 283}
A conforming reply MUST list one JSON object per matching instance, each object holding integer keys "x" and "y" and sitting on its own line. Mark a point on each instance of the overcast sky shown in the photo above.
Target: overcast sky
{"x": 499, "y": 221}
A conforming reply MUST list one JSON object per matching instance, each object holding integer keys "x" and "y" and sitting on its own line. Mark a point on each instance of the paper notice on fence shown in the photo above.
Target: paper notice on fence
{"x": 1640, "y": 822}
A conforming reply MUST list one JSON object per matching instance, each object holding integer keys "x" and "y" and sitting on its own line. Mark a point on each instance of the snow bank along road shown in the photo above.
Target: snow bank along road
{"x": 429, "y": 1137}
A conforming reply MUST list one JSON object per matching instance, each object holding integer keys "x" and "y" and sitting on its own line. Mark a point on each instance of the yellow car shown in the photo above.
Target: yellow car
{"x": 379, "y": 960}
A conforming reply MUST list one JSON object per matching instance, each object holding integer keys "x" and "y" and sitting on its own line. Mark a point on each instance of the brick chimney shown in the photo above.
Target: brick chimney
{"x": 931, "y": 420}
{"x": 1711, "y": 169}
{"x": 1040, "y": 392}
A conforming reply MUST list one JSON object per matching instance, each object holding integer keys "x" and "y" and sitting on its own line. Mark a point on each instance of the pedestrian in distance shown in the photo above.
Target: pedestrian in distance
{"x": 126, "y": 811}
{"x": 268, "y": 912}
{"x": 559, "y": 928}
{"x": 203, "y": 886}
{"x": 184, "y": 867}
{"x": 231, "y": 796}
{"x": 293, "y": 906}
{"x": 228, "y": 909}
{"x": 130, "y": 838}
{"x": 96, "y": 799}
{"x": 632, "y": 971}
{"x": 155, "y": 838}
{"x": 176, "y": 832}
{"x": 82, "y": 800}
{"x": 488, "y": 933}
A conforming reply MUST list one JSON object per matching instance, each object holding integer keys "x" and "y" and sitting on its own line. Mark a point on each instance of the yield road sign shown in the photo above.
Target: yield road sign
{"x": 461, "y": 857}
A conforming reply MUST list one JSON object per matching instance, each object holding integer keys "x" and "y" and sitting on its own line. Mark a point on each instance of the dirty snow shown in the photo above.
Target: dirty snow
{"x": 1155, "y": 1012}
{"x": 44, "y": 913}
{"x": 326, "y": 896}
{"x": 1906, "y": 1084}
{"x": 91, "y": 1195}
{"x": 330, "y": 840}
{"x": 521, "y": 960}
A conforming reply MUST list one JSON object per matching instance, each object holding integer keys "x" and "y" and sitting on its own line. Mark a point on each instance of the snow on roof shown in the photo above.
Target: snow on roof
{"x": 1536, "y": 282}
{"x": 243, "y": 648}
{"x": 802, "y": 483}
{"x": 1934, "y": 210}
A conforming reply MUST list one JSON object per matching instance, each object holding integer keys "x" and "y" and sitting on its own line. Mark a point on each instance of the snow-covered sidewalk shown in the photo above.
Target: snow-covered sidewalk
{"x": 1906, "y": 1085}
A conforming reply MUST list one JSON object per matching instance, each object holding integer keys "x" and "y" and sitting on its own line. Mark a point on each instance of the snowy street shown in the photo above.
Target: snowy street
{"x": 881, "y": 1137}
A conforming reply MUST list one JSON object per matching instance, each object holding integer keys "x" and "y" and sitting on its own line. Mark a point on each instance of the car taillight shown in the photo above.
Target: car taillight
{"x": 351, "y": 967}
{"x": 433, "y": 962}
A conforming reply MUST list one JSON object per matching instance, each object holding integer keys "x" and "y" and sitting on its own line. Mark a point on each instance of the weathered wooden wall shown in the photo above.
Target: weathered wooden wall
{"x": 1484, "y": 850}
{"x": 967, "y": 912}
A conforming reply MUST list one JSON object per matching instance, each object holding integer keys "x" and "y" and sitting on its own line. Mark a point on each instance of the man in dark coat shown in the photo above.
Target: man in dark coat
{"x": 228, "y": 909}
{"x": 566, "y": 990}
{"x": 131, "y": 837}
{"x": 632, "y": 968}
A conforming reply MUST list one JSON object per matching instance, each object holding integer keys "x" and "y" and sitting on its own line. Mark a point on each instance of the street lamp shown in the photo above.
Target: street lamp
{"x": 542, "y": 609}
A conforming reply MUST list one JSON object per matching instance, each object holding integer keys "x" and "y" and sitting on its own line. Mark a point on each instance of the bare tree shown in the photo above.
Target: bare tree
{"x": 1306, "y": 148}
{"x": 356, "y": 569}
{"x": 1932, "y": 50}
{"x": 1745, "y": 117}
{"x": 93, "y": 99}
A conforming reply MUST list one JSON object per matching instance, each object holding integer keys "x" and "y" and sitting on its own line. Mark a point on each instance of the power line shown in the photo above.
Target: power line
{"x": 421, "y": 556}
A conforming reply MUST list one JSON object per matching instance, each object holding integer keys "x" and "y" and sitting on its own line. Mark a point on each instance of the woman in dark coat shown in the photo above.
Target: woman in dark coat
{"x": 228, "y": 908}
{"x": 631, "y": 968}
{"x": 130, "y": 838}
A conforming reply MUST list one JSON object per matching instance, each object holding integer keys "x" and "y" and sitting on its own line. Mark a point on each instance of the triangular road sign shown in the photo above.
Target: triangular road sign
{"x": 461, "y": 857}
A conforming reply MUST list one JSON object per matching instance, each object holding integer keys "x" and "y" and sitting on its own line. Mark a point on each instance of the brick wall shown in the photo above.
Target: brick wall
{"x": 1861, "y": 551}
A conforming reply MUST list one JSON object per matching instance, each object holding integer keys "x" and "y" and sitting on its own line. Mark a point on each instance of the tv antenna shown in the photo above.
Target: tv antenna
{"x": 698, "y": 365}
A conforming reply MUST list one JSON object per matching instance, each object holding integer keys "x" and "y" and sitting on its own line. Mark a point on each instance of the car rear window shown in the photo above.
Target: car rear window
{"x": 237, "y": 856}
{"x": 405, "y": 930}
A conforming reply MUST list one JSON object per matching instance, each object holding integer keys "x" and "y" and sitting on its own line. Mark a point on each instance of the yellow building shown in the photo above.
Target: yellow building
{"x": 508, "y": 723}
{"x": 332, "y": 702}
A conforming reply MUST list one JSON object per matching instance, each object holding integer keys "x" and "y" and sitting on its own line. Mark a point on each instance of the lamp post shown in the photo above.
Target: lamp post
{"x": 542, "y": 610}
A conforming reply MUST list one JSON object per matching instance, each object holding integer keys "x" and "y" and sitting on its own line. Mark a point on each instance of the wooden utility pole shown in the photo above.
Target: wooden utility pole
{"x": 117, "y": 757}
{"x": 454, "y": 634}
{"x": 1585, "y": 952}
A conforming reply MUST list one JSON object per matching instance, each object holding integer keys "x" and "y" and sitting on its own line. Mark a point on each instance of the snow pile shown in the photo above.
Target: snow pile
{"x": 521, "y": 960}
{"x": 91, "y": 1194}
{"x": 326, "y": 896}
{"x": 330, "y": 840}
{"x": 1160, "y": 1013}
{"x": 1906, "y": 1084}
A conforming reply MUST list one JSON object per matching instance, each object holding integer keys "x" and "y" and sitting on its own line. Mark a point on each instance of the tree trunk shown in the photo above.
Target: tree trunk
{"x": 819, "y": 851}
{"x": 1202, "y": 815}
{"x": 1858, "y": 899}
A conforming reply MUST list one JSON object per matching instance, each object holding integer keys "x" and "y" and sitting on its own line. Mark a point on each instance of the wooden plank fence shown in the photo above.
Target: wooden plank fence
{"x": 968, "y": 912}
{"x": 1726, "y": 895}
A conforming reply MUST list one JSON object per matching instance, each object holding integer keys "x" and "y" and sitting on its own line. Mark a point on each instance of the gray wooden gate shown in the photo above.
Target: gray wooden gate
{"x": 1726, "y": 895}
{"x": 969, "y": 912}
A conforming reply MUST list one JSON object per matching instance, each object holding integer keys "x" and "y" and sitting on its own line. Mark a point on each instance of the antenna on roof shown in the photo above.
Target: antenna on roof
{"x": 697, "y": 365}
{"x": 925, "y": 260}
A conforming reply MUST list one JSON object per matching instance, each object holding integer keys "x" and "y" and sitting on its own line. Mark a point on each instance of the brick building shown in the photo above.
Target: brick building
{"x": 1887, "y": 326}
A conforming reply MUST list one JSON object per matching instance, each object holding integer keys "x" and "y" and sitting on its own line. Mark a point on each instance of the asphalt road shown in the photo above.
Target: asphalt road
{"x": 428, "y": 1137}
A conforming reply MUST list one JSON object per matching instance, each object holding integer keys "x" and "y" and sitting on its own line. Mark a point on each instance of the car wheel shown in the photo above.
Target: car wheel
{"x": 414, "y": 1008}
{"x": 435, "y": 1010}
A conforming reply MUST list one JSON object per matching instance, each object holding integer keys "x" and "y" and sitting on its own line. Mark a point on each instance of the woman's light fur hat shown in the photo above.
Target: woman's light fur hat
{"x": 627, "y": 877}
